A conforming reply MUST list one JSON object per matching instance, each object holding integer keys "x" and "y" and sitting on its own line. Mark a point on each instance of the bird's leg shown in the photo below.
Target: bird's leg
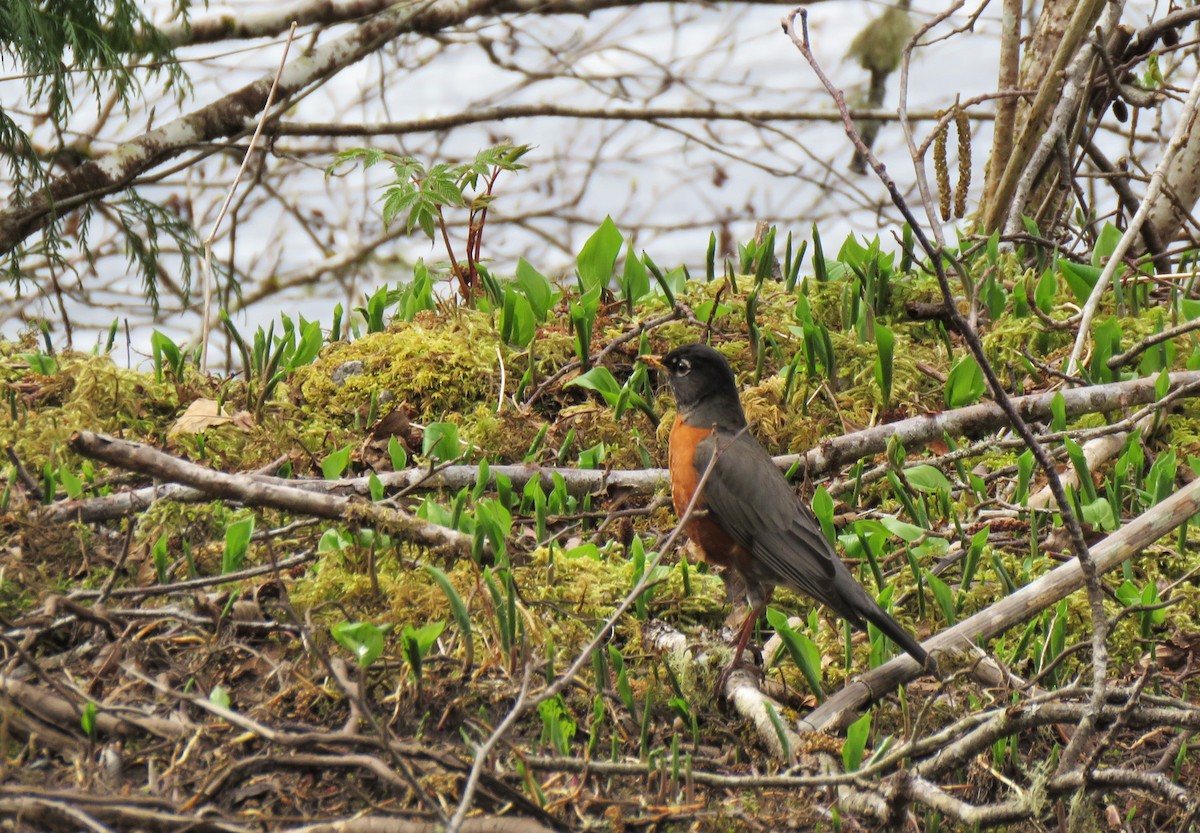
{"x": 743, "y": 640}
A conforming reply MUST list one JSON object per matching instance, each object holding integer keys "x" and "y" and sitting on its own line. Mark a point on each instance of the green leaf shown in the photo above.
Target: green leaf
{"x": 1106, "y": 244}
{"x": 397, "y": 453}
{"x": 416, "y": 642}
{"x": 1024, "y": 473}
{"x": 926, "y": 478}
{"x": 72, "y": 483}
{"x": 822, "y": 506}
{"x": 237, "y": 542}
{"x": 440, "y": 442}
{"x": 518, "y": 323}
{"x": 635, "y": 279}
{"x": 1045, "y": 291}
{"x": 1107, "y": 343}
{"x": 459, "y": 610}
{"x": 493, "y": 521}
{"x": 884, "y": 343}
{"x": 624, "y": 689}
{"x": 905, "y": 531}
{"x": 856, "y": 742}
{"x": 593, "y": 457}
{"x": 1128, "y": 594}
{"x": 964, "y": 384}
{"x": 558, "y": 727}
{"x": 942, "y": 595}
{"x": 536, "y": 287}
{"x": 803, "y": 651}
{"x": 1162, "y": 384}
{"x": 309, "y": 346}
{"x": 1149, "y": 598}
{"x": 334, "y": 540}
{"x": 158, "y": 555}
{"x": 362, "y": 639}
{"x": 220, "y": 696}
{"x": 708, "y": 311}
{"x": 87, "y": 720}
{"x": 931, "y": 547}
{"x": 1058, "y": 412}
{"x": 165, "y": 351}
{"x": 336, "y": 463}
{"x": 598, "y": 256}
{"x": 600, "y": 380}
{"x": 1082, "y": 279}
{"x": 1082, "y": 472}
{"x": 583, "y": 551}
{"x": 1099, "y": 514}
{"x": 1160, "y": 480}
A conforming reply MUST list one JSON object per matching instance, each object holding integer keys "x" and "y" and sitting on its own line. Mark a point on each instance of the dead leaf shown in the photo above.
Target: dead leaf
{"x": 395, "y": 423}
{"x": 200, "y": 416}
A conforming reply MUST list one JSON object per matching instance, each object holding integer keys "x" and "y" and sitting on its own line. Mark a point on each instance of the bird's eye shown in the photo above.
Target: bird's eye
{"x": 684, "y": 366}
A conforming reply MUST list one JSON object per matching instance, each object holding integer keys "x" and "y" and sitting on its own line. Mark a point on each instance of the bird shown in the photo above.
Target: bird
{"x": 748, "y": 518}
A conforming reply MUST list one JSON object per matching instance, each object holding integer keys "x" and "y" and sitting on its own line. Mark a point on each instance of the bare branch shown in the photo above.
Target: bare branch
{"x": 1012, "y": 610}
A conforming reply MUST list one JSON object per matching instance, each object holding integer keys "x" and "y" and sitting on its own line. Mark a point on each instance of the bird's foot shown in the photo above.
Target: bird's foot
{"x": 748, "y": 667}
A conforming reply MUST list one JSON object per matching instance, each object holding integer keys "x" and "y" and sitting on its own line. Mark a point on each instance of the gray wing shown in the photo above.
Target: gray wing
{"x": 752, "y": 501}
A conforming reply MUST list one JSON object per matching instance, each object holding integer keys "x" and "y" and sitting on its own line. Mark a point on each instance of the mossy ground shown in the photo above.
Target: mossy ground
{"x": 452, "y": 368}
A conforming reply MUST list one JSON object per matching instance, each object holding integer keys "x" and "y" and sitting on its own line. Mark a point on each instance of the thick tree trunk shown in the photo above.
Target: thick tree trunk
{"x": 1171, "y": 217}
{"x": 1061, "y": 29}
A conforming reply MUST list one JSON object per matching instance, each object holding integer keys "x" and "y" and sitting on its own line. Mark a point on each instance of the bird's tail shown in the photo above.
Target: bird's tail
{"x": 864, "y": 607}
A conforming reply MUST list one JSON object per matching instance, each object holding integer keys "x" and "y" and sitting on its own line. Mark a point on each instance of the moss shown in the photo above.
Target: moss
{"x": 438, "y": 366}
{"x": 503, "y": 437}
{"x": 88, "y": 393}
{"x": 594, "y": 423}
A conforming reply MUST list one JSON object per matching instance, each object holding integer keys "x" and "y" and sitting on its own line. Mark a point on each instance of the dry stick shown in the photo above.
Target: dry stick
{"x": 1151, "y": 341}
{"x": 56, "y": 709}
{"x": 252, "y": 492}
{"x": 477, "y": 115}
{"x": 1064, "y": 119}
{"x": 1158, "y": 181}
{"x": 394, "y": 824}
{"x": 906, "y": 123}
{"x": 1009, "y": 78}
{"x": 742, "y": 690}
{"x": 832, "y": 453}
{"x": 454, "y": 825}
{"x": 1017, "y": 162}
{"x": 208, "y": 241}
{"x": 200, "y": 581}
{"x": 1019, "y": 607}
{"x": 1079, "y": 544}
{"x": 932, "y": 756}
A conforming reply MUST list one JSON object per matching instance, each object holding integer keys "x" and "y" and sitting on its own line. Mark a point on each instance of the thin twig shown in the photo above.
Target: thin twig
{"x": 1158, "y": 181}
{"x": 208, "y": 241}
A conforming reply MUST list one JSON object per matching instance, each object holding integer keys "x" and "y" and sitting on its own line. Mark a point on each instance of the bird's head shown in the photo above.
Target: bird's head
{"x": 703, "y": 383}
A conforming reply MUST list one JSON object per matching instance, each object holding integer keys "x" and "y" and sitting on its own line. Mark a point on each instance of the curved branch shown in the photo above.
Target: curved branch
{"x": 1012, "y": 610}
{"x": 830, "y": 455}
{"x": 229, "y": 116}
{"x": 252, "y": 491}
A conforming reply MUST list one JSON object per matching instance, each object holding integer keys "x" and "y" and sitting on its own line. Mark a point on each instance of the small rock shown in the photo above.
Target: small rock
{"x": 346, "y": 370}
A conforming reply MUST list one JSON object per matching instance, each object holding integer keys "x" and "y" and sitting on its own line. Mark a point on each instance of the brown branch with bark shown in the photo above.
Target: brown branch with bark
{"x": 251, "y": 491}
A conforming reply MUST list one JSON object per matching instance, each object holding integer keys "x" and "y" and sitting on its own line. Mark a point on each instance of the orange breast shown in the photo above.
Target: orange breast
{"x": 717, "y": 547}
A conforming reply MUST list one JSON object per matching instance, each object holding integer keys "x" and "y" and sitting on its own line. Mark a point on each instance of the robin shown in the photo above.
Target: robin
{"x": 748, "y": 518}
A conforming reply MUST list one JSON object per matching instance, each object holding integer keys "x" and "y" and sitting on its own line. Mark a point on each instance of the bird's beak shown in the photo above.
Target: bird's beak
{"x": 652, "y": 360}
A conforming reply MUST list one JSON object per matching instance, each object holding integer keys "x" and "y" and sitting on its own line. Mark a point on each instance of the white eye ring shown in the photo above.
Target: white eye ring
{"x": 685, "y": 366}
